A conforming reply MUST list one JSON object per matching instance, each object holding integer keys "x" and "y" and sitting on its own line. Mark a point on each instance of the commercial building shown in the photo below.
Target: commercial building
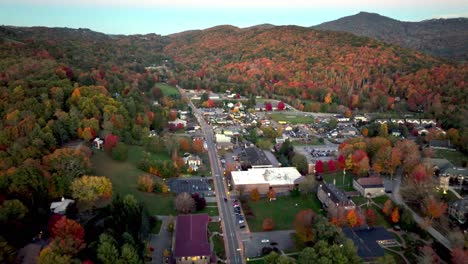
{"x": 282, "y": 180}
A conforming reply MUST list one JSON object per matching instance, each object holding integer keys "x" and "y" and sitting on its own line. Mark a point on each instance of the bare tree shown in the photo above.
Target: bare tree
{"x": 184, "y": 203}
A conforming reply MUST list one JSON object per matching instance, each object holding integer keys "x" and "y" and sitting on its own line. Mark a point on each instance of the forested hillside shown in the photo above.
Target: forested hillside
{"x": 446, "y": 38}
{"x": 60, "y": 85}
{"x": 303, "y": 66}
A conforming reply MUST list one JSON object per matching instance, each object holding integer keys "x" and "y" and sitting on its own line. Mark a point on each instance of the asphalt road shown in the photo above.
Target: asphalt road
{"x": 234, "y": 252}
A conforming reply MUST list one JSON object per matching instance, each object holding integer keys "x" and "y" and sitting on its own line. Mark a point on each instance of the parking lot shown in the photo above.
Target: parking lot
{"x": 191, "y": 185}
{"x": 323, "y": 153}
{"x": 253, "y": 244}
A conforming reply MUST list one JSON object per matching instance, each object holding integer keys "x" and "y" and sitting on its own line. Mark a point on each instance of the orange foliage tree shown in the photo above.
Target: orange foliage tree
{"x": 395, "y": 216}
{"x": 387, "y": 207}
{"x": 145, "y": 183}
{"x": 268, "y": 224}
{"x": 303, "y": 225}
{"x": 255, "y": 195}
{"x": 434, "y": 208}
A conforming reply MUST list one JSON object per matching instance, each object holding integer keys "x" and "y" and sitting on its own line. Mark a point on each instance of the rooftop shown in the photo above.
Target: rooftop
{"x": 255, "y": 156}
{"x": 336, "y": 195}
{"x": 370, "y": 182}
{"x": 191, "y": 237}
{"x": 272, "y": 176}
{"x": 368, "y": 240}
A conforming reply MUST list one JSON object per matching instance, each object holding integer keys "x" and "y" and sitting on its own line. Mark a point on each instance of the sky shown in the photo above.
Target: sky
{"x": 171, "y": 16}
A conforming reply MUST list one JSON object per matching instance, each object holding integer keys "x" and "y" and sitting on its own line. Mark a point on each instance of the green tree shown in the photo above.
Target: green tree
{"x": 12, "y": 210}
{"x": 107, "y": 252}
{"x": 129, "y": 255}
{"x": 50, "y": 256}
{"x": 120, "y": 152}
{"x": 271, "y": 258}
{"x": 300, "y": 162}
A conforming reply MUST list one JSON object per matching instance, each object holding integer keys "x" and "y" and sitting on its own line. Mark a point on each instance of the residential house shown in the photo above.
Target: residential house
{"x": 190, "y": 240}
{"x": 370, "y": 241}
{"x": 428, "y": 122}
{"x": 333, "y": 199}
{"x": 98, "y": 143}
{"x": 369, "y": 186}
{"x": 413, "y": 121}
{"x": 459, "y": 210}
{"x": 397, "y": 121}
{"x": 361, "y": 118}
{"x": 441, "y": 144}
{"x": 193, "y": 161}
{"x": 61, "y": 207}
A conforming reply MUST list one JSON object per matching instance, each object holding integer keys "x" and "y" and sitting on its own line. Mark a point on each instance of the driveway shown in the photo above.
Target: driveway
{"x": 252, "y": 242}
{"x": 160, "y": 242}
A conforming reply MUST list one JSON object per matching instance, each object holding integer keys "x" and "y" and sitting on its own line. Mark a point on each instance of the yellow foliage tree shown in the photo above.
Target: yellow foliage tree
{"x": 255, "y": 195}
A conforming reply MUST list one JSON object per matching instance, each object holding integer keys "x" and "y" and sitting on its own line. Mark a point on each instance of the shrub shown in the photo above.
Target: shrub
{"x": 120, "y": 152}
{"x": 145, "y": 183}
{"x": 268, "y": 224}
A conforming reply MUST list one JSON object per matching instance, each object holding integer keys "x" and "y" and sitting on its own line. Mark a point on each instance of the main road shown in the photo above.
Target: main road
{"x": 232, "y": 244}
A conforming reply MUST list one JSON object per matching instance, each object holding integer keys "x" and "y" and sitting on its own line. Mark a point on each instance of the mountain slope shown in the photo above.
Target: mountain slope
{"x": 447, "y": 38}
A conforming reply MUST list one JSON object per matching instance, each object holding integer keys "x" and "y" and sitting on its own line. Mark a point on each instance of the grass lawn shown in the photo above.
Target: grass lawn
{"x": 214, "y": 227}
{"x": 380, "y": 200}
{"x": 124, "y": 175}
{"x": 338, "y": 176}
{"x": 358, "y": 200}
{"x": 395, "y": 256}
{"x": 135, "y": 154}
{"x": 219, "y": 246}
{"x": 311, "y": 142}
{"x": 211, "y": 211}
{"x": 156, "y": 227}
{"x": 292, "y": 118}
{"x": 455, "y": 157}
{"x": 282, "y": 211}
{"x": 168, "y": 90}
{"x": 381, "y": 218}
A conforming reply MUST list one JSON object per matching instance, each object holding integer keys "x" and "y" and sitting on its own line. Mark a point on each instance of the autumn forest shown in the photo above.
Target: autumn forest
{"x": 59, "y": 85}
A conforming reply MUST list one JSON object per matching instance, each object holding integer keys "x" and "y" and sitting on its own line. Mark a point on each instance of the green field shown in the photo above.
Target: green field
{"x": 124, "y": 177}
{"x": 211, "y": 211}
{"x": 282, "y": 211}
{"x": 168, "y": 90}
{"x": 456, "y": 157}
{"x": 292, "y": 118}
{"x": 338, "y": 176}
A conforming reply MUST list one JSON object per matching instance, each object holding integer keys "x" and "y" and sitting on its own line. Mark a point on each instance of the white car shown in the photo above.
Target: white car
{"x": 265, "y": 240}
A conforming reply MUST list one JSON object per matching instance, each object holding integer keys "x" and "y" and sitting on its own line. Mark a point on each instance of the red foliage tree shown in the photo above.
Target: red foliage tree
{"x": 459, "y": 256}
{"x": 420, "y": 174}
{"x": 371, "y": 217}
{"x": 52, "y": 221}
{"x": 319, "y": 167}
{"x": 303, "y": 225}
{"x": 172, "y": 127}
{"x": 280, "y": 106}
{"x": 331, "y": 166}
{"x": 179, "y": 126}
{"x": 341, "y": 162}
{"x": 268, "y": 107}
{"x": 197, "y": 146}
{"x": 110, "y": 141}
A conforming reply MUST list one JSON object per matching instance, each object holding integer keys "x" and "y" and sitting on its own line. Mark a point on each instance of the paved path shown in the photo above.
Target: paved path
{"x": 396, "y": 197}
{"x": 160, "y": 242}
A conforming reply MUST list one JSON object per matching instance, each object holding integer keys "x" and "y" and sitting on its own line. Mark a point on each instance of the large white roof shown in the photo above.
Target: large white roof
{"x": 272, "y": 176}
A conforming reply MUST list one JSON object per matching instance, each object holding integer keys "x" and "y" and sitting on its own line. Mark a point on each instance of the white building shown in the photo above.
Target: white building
{"x": 221, "y": 138}
{"x": 280, "y": 179}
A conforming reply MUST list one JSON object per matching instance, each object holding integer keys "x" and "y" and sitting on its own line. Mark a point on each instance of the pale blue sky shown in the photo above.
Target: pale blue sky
{"x": 172, "y": 16}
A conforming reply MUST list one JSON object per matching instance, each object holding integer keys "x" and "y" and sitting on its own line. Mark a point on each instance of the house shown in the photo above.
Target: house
{"x": 413, "y": 121}
{"x": 61, "y": 207}
{"x": 381, "y": 121}
{"x": 395, "y": 132}
{"x": 369, "y": 186}
{"x": 428, "y": 122}
{"x": 397, "y": 121}
{"x": 370, "y": 241}
{"x": 361, "y": 118}
{"x": 333, "y": 199}
{"x": 193, "y": 161}
{"x": 459, "y": 210}
{"x": 98, "y": 143}
{"x": 224, "y": 145}
{"x": 190, "y": 240}
{"x": 441, "y": 144}
{"x": 282, "y": 180}
{"x": 253, "y": 157}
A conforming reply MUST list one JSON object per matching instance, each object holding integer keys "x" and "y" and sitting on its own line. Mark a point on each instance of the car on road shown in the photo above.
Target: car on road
{"x": 265, "y": 240}
{"x": 242, "y": 226}
{"x": 241, "y": 219}
{"x": 273, "y": 244}
{"x": 235, "y": 204}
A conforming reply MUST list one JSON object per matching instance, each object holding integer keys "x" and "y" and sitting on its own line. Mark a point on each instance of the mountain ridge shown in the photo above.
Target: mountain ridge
{"x": 443, "y": 37}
